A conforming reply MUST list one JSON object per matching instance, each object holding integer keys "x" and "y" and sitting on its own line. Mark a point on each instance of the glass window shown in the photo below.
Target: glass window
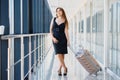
{"x": 25, "y": 17}
{"x": 88, "y": 25}
{"x": 114, "y": 38}
{"x": 30, "y": 17}
{"x": 97, "y": 34}
{"x": 82, "y": 26}
{"x": 17, "y": 19}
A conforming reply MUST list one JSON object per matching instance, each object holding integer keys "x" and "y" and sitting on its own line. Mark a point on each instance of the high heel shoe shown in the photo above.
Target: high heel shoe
{"x": 65, "y": 72}
{"x": 59, "y": 73}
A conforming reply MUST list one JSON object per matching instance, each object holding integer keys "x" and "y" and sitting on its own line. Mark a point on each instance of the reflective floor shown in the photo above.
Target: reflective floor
{"x": 48, "y": 70}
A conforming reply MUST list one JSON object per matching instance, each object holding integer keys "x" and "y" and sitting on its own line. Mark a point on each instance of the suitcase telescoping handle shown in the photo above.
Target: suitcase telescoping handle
{"x": 79, "y": 51}
{"x": 80, "y": 47}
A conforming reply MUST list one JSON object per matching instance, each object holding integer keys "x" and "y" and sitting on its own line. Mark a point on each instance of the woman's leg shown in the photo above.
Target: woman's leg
{"x": 65, "y": 68}
{"x": 60, "y": 67}
{"x": 63, "y": 56}
{"x": 61, "y": 59}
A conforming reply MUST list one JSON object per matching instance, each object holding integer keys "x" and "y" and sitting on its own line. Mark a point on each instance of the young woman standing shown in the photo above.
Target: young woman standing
{"x": 60, "y": 37}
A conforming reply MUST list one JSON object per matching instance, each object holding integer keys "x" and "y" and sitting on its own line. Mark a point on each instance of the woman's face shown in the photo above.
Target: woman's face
{"x": 59, "y": 12}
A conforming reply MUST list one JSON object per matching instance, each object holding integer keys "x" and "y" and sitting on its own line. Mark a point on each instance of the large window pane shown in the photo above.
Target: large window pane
{"x": 114, "y": 37}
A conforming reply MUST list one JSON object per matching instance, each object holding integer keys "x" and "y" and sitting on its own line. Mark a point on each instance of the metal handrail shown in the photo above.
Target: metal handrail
{"x": 24, "y": 57}
{"x": 38, "y": 36}
{"x": 38, "y": 61}
{"x": 4, "y": 37}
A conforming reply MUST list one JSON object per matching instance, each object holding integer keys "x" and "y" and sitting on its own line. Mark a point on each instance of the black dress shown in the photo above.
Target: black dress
{"x": 59, "y": 34}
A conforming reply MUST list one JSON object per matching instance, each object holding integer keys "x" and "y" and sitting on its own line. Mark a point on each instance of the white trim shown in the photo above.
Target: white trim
{"x": 22, "y": 43}
{"x": 85, "y": 26}
{"x": 21, "y": 16}
{"x": 38, "y": 48}
{"x": 34, "y": 55}
{"x": 91, "y": 13}
{"x": 8, "y": 66}
{"x": 22, "y": 59}
{"x": 118, "y": 18}
{"x": 29, "y": 58}
{"x": 11, "y": 41}
{"x": 11, "y": 16}
{"x": 106, "y": 24}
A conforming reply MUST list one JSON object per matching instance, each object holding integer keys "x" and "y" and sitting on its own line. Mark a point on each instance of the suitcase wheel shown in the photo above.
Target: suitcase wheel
{"x": 95, "y": 74}
{"x": 100, "y": 69}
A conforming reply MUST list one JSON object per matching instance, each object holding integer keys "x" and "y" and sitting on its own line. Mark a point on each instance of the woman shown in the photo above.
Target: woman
{"x": 60, "y": 37}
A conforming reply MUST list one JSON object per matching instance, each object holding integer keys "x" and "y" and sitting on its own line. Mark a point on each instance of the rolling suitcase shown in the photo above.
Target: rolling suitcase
{"x": 88, "y": 61}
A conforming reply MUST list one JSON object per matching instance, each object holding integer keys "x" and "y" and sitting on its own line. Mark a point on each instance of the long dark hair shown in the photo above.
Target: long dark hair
{"x": 64, "y": 15}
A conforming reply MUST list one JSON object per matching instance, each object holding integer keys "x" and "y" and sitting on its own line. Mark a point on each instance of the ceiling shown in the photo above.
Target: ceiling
{"x": 70, "y": 6}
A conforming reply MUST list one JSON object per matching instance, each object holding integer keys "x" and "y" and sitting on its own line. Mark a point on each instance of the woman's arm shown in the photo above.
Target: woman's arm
{"x": 51, "y": 27}
{"x": 67, "y": 35}
{"x": 51, "y": 33}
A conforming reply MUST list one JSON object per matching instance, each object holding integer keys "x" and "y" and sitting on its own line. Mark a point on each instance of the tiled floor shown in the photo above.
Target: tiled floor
{"x": 48, "y": 70}
{"x": 75, "y": 70}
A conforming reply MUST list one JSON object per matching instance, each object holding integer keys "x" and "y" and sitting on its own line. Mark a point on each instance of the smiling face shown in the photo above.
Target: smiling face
{"x": 59, "y": 12}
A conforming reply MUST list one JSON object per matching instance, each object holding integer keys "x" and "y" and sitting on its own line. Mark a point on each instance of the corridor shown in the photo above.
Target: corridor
{"x": 75, "y": 70}
{"x": 26, "y": 48}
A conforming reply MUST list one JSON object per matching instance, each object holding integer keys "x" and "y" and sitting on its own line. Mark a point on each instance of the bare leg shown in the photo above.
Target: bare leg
{"x": 65, "y": 68}
{"x": 60, "y": 67}
{"x": 61, "y": 59}
{"x": 64, "y": 61}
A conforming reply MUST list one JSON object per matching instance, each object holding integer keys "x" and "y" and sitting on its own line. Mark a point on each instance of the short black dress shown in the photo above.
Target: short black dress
{"x": 59, "y": 34}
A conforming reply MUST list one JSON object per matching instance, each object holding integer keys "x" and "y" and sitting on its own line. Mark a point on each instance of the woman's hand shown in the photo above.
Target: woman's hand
{"x": 55, "y": 40}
